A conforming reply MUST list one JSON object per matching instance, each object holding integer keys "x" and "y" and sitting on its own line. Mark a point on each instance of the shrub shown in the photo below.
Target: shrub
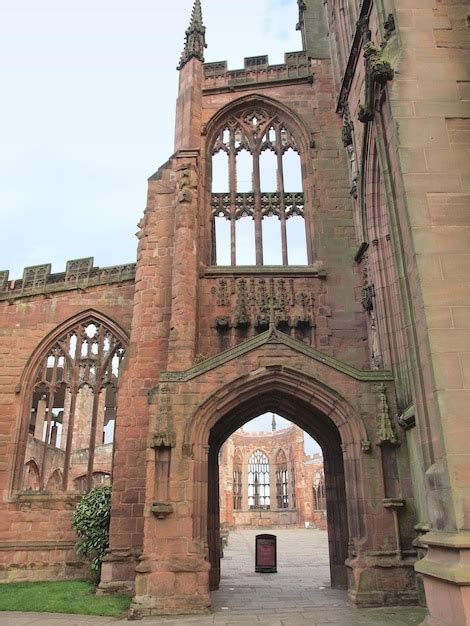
{"x": 91, "y": 523}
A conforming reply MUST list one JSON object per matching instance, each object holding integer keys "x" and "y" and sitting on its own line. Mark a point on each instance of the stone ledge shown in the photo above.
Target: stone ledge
{"x": 15, "y": 546}
{"x": 456, "y": 540}
{"x": 268, "y": 270}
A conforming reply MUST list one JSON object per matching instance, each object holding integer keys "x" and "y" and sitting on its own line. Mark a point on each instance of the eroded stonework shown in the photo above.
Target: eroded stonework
{"x": 364, "y": 344}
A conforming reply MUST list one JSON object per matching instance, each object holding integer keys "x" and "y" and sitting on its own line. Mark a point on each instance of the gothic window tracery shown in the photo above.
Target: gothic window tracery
{"x": 258, "y": 481}
{"x": 282, "y": 481}
{"x": 257, "y": 199}
{"x": 73, "y": 407}
{"x": 319, "y": 494}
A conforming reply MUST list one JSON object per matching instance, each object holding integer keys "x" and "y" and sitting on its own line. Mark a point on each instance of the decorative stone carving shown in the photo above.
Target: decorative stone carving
{"x": 186, "y": 182}
{"x": 366, "y": 446}
{"x": 35, "y": 277}
{"x": 378, "y": 71}
{"x": 161, "y": 510}
{"x": 4, "y": 274}
{"x": 385, "y": 430}
{"x": 367, "y": 297}
{"x": 346, "y": 134}
{"x": 78, "y": 269}
{"x": 164, "y": 434}
{"x": 261, "y": 303}
{"x": 389, "y": 26}
{"x": 195, "y": 38}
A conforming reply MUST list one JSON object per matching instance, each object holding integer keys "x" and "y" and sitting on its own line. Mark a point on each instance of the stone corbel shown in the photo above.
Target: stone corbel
{"x": 163, "y": 440}
{"x": 407, "y": 419}
{"x": 162, "y": 510}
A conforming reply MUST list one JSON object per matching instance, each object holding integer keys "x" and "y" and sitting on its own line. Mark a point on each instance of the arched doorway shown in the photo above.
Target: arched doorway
{"x": 320, "y": 428}
{"x": 321, "y": 413}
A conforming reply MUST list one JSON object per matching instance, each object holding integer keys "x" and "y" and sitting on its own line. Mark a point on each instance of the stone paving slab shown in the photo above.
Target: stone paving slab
{"x": 319, "y": 617}
{"x": 298, "y": 595}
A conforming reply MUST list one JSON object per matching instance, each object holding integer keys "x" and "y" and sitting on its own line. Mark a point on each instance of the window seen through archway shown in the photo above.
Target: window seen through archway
{"x": 282, "y": 481}
{"x": 73, "y": 411}
{"x": 257, "y": 193}
{"x": 258, "y": 481}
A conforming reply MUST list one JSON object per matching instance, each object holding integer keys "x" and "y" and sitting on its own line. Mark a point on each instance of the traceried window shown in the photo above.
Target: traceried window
{"x": 73, "y": 411}
{"x": 237, "y": 481}
{"x": 293, "y": 486}
{"x": 257, "y": 194}
{"x": 282, "y": 481}
{"x": 319, "y": 496}
{"x": 258, "y": 481}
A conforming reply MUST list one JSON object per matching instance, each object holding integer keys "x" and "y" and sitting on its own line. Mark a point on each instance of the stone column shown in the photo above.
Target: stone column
{"x": 40, "y": 418}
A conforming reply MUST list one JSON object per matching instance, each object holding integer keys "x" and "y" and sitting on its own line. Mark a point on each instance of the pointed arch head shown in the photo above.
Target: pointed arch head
{"x": 85, "y": 350}
{"x": 281, "y": 458}
{"x": 252, "y": 103}
{"x": 84, "y": 318}
{"x": 310, "y": 404}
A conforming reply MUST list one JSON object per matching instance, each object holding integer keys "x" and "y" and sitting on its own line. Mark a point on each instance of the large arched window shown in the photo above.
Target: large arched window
{"x": 256, "y": 192}
{"x": 258, "y": 481}
{"x": 73, "y": 408}
{"x": 282, "y": 481}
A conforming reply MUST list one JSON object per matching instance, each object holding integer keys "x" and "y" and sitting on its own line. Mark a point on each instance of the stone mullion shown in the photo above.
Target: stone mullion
{"x": 40, "y": 417}
{"x": 96, "y": 402}
{"x": 91, "y": 450}
{"x": 232, "y": 181}
{"x": 72, "y": 409}
{"x": 257, "y": 207}
{"x": 71, "y": 419}
{"x": 281, "y": 190}
{"x": 50, "y": 406}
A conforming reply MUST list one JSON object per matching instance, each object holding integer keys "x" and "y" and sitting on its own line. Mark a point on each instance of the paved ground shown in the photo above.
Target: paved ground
{"x": 298, "y": 595}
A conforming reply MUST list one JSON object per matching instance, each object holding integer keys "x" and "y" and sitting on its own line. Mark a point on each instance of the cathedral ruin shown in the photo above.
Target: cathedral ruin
{"x": 304, "y": 251}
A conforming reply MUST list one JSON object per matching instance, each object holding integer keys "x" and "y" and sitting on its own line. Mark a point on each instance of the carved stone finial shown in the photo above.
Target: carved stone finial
{"x": 385, "y": 429}
{"x": 195, "y": 38}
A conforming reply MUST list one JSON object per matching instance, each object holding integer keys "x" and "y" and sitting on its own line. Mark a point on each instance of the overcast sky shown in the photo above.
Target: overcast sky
{"x": 87, "y": 113}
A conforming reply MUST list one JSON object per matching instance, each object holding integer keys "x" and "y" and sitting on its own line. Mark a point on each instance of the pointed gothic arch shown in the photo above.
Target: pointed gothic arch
{"x": 59, "y": 366}
{"x": 320, "y": 412}
{"x": 257, "y": 127}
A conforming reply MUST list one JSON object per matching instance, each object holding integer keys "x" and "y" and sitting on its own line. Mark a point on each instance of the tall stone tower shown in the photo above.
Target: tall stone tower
{"x": 248, "y": 299}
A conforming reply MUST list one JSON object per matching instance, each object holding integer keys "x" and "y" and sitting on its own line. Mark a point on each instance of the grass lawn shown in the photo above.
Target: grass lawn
{"x": 68, "y": 596}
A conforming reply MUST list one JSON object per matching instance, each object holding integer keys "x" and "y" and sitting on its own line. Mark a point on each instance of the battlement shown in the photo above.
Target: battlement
{"x": 257, "y": 70}
{"x": 79, "y": 274}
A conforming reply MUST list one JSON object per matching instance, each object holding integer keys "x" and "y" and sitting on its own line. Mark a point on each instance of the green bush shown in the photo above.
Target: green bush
{"x": 91, "y": 523}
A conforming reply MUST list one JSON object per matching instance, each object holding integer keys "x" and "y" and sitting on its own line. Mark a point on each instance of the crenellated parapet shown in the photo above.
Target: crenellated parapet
{"x": 257, "y": 70}
{"x": 79, "y": 274}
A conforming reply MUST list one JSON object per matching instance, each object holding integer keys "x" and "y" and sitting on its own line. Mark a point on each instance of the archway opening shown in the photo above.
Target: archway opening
{"x": 271, "y": 480}
{"x": 259, "y": 496}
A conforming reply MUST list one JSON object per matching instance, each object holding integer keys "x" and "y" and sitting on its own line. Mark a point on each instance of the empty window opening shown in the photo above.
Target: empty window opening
{"x": 259, "y": 491}
{"x": 272, "y": 240}
{"x": 262, "y": 180}
{"x": 271, "y": 480}
{"x": 73, "y": 410}
{"x": 220, "y": 172}
{"x": 245, "y": 237}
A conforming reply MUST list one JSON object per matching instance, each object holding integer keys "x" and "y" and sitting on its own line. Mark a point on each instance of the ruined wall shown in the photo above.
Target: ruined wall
{"x": 36, "y": 539}
{"x": 300, "y": 507}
